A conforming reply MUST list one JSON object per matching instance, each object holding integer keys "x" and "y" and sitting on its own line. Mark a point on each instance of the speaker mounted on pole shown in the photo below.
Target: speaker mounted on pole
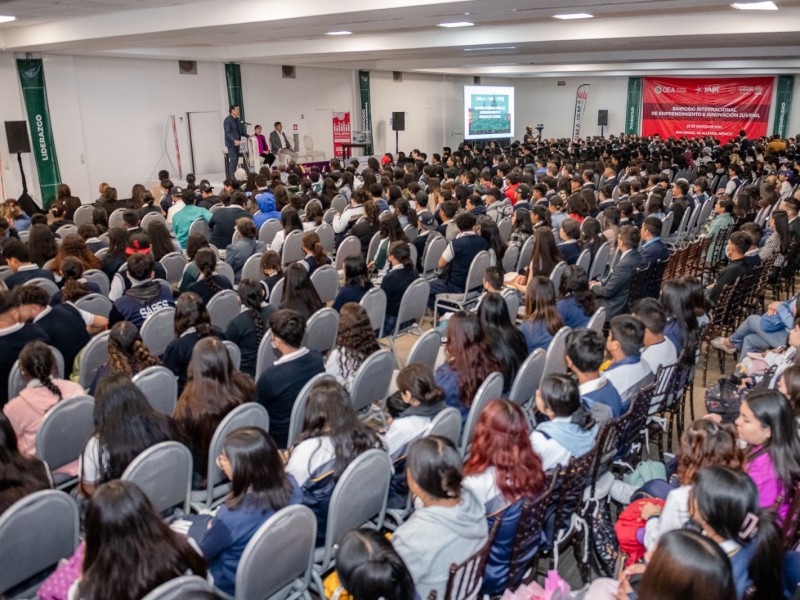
{"x": 398, "y": 121}
{"x": 17, "y": 137}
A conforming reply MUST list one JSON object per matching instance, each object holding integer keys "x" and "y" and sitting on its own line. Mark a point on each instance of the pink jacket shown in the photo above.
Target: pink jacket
{"x": 26, "y": 411}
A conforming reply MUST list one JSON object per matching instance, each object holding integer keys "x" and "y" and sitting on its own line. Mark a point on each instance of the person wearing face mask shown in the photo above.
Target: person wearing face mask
{"x": 738, "y": 245}
{"x": 278, "y": 386}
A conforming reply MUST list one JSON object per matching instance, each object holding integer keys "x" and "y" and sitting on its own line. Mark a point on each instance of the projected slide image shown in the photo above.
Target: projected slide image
{"x": 488, "y": 112}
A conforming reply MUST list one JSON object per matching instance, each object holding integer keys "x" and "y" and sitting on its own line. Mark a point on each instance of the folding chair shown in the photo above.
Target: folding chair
{"x": 164, "y": 473}
{"x": 160, "y": 387}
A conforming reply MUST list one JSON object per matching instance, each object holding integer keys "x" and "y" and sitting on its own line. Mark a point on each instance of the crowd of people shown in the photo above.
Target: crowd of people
{"x": 710, "y": 525}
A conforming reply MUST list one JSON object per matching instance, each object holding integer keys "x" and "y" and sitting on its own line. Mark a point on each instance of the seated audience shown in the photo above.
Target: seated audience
{"x": 507, "y": 343}
{"x": 315, "y": 253}
{"x": 659, "y": 351}
{"x": 628, "y": 373}
{"x": 401, "y": 275}
{"x": 272, "y": 271}
{"x": 21, "y": 474}
{"x": 542, "y": 319}
{"x": 208, "y": 283}
{"x": 682, "y": 325}
{"x": 738, "y": 245}
{"x": 299, "y": 294}
{"x": 18, "y": 258}
{"x": 127, "y": 354}
{"x": 569, "y": 247}
{"x": 223, "y": 222}
{"x": 613, "y": 291}
{"x": 355, "y": 342}
{"x": 457, "y": 259}
{"x": 237, "y": 253}
{"x": 356, "y": 282}
{"x": 145, "y": 296}
{"x": 576, "y": 303}
{"x": 585, "y": 352}
{"x": 653, "y": 249}
{"x": 248, "y": 328}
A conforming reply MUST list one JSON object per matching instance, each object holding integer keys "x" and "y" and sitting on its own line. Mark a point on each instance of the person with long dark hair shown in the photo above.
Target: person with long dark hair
{"x": 125, "y": 425}
{"x": 401, "y": 274}
{"x": 725, "y": 503}
{"x": 248, "y": 328}
{"x": 542, "y": 319}
{"x": 505, "y": 340}
{"x": 592, "y": 235}
{"x": 545, "y": 257}
{"x": 682, "y": 325}
{"x": 366, "y": 227}
{"x": 21, "y": 475}
{"x": 356, "y": 282}
{"x": 73, "y": 285}
{"x": 161, "y": 242}
{"x": 130, "y": 550}
{"x": 42, "y": 244}
{"x": 391, "y": 232}
{"x": 192, "y": 324}
{"x": 449, "y": 526}
{"x": 355, "y": 342}
{"x": 469, "y": 360}
{"x": 491, "y": 233}
{"x": 332, "y": 437}
{"x": 570, "y": 430}
{"x": 314, "y": 251}
{"x": 521, "y": 227}
{"x": 779, "y": 240}
{"x": 208, "y": 284}
{"x": 502, "y": 470}
{"x": 194, "y": 243}
{"x": 259, "y": 488}
{"x": 290, "y": 220}
{"x": 575, "y": 302}
{"x": 299, "y": 294}
{"x": 213, "y": 389}
{"x": 116, "y": 255}
{"x": 271, "y": 269}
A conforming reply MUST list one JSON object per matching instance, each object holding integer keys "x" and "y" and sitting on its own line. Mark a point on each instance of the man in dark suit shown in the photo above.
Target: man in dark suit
{"x": 233, "y": 138}
{"x": 653, "y": 249}
{"x": 278, "y": 386}
{"x": 614, "y": 290}
{"x": 279, "y": 143}
{"x": 792, "y": 206}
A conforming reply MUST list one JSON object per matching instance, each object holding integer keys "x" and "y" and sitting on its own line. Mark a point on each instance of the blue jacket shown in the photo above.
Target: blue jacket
{"x": 266, "y": 209}
{"x": 536, "y": 335}
{"x": 653, "y": 251}
{"x": 572, "y": 313}
{"x": 570, "y": 252}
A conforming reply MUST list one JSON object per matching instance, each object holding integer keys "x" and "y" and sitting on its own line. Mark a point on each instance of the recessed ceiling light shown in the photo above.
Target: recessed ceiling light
{"x": 456, "y": 24}
{"x": 568, "y": 16}
{"x": 7, "y": 19}
{"x": 339, "y": 33}
{"x": 489, "y": 48}
{"x": 768, "y": 5}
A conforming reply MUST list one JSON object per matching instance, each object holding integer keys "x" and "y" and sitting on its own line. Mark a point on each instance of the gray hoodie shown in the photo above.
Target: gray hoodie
{"x": 436, "y": 537}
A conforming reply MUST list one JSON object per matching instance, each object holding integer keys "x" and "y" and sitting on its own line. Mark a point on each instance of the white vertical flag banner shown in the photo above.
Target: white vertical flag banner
{"x": 581, "y": 96}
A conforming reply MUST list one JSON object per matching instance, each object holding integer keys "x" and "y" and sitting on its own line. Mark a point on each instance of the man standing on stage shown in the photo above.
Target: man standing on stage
{"x": 233, "y": 134}
{"x": 263, "y": 148}
{"x": 280, "y": 145}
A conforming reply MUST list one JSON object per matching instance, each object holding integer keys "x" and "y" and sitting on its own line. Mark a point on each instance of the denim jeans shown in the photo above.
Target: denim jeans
{"x": 750, "y": 337}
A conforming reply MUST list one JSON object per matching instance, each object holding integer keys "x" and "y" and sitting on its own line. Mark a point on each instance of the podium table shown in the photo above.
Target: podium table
{"x": 347, "y": 149}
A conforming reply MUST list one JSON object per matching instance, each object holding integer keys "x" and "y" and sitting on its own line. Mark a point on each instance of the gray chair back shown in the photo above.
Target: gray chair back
{"x": 286, "y": 543}
{"x": 328, "y": 215}
{"x": 525, "y": 254}
{"x": 174, "y": 263}
{"x": 597, "y": 320}
{"x": 705, "y": 212}
{"x": 160, "y": 387}
{"x": 527, "y": 379}
{"x": 265, "y": 357}
{"x": 425, "y": 349}
{"x": 223, "y": 307}
{"x": 63, "y": 434}
{"x": 511, "y": 258}
{"x": 293, "y": 248}
{"x": 268, "y": 230}
{"x": 431, "y": 255}
{"x": 666, "y": 225}
{"x": 359, "y": 496}
{"x": 158, "y": 330}
{"x": 339, "y": 203}
{"x": 49, "y": 286}
{"x": 93, "y": 355}
{"x": 372, "y": 249}
{"x": 505, "y": 229}
{"x": 252, "y": 268}
{"x": 321, "y": 330}
{"x": 115, "y": 218}
{"x": 225, "y": 270}
{"x": 351, "y": 246}
{"x": 234, "y": 352}
{"x": 16, "y": 383}
{"x": 101, "y": 254}
{"x": 412, "y": 233}
{"x": 325, "y": 280}
{"x": 475, "y": 275}
{"x": 95, "y": 304}
{"x": 600, "y": 261}
{"x": 35, "y": 533}
{"x": 249, "y": 414}
{"x": 100, "y": 279}
{"x": 446, "y": 424}
{"x": 374, "y": 302}
{"x": 164, "y": 473}
{"x": 276, "y": 294}
{"x": 151, "y": 217}
{"x": 513, "y": 302}
{"x": 180, "y": 587}
{"x": 83, "y": 215}
{"x": 299, "y": 407}
{"x": 584, "y": 261}
{"x": 372, "y": 380}
{"x": 555, "y": 275}
{"x": 556, "y": 352}
{"x": 66, "y": 230}
{"x": 327, "y": 237}
{"x": 200, "y": 226}
{"x": 491, "y": 388}
{"x": 413, "y": 304}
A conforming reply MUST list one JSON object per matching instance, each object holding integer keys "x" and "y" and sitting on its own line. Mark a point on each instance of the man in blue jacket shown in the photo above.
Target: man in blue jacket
{"x": 653, "y": 248}
{"x": 233, "y": 138}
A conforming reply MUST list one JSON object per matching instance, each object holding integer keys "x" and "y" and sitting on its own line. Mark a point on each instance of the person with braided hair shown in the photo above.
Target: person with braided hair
{"x": 248, "y": 328}
{"x": 192, "y": 324}
{"x": 127, "y": 354}
{"x": 208, "y": 284}
{"x": 73, "y": 285}
{"x": 315, "y": 253}
{"x": 41, "y": 393}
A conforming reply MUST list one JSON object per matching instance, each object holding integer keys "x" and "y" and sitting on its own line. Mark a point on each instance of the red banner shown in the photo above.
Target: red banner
{"x": 676, "y": 107}
{"x": 341, "y": 131}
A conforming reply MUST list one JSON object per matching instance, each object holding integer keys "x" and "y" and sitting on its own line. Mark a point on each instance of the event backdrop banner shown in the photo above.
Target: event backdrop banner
{"x": 581, "y": 96}
{"x": 31, "y": 78}
{"x": 341, "y": 131}
{"x": 675, "y": 107}
{"x": 783, "y": 100}
{"x": 634, "y": 105}
{"x": 366, "y": 108}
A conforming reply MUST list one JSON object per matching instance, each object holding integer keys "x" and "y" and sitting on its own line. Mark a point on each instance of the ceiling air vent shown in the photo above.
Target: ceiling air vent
{"x": 187, "y": 67}
{"x": 288, "y": 72}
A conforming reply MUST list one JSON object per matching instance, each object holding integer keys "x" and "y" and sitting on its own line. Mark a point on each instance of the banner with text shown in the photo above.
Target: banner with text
{"x": 581, "y": 96}
{"x": 365, "y": 125}
{"x": 675, "y": 107}
{"x": 783, "y": 101}
{"x": 34, "y": 90}
{"x": 634, "y": 104}
{"x": 341, "y": 131}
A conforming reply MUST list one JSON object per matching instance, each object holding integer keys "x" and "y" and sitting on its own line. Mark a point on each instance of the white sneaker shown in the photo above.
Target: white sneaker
{"x": 719, "y": 344}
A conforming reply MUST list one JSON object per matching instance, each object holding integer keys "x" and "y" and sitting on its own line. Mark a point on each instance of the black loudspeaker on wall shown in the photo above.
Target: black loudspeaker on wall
{"x": 602, "y": 118}
{"x": 17, "y": 136}
{"x": 398, "y": 121}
